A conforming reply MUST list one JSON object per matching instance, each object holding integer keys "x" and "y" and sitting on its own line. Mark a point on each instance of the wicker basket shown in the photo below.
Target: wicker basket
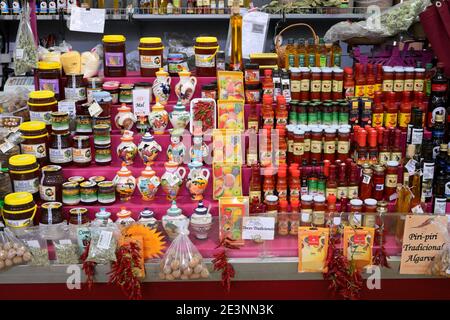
{"x": 281, "y": 49}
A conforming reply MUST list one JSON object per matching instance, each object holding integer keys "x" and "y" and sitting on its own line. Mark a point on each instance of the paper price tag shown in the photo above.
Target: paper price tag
{"x": 65, "y": 241}
{"x": 411, "y": 166}
{"x": 33, "y": 244}
{"x": 417, "y": 209}
{"x": 19, "y": 53}
{"x": 6, "y": 146}
{"x": 67, "y": 106}
{"x": 261, "y": 228}
{"x": 87, "y": 20}
{"x": 366, "y": 179}
{"x": 104, "y": 240}
{"x": 141, "y": 101}
{"x": 95, "y": 110}
{"x": 337, "y": 221}
{"x": 357, "y": 218}
{"x": 306, "y": 217}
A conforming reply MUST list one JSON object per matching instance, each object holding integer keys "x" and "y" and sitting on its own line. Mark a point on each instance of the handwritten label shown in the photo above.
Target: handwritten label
{"x": 141, "y": 101}
{"x": 258, "y": 228}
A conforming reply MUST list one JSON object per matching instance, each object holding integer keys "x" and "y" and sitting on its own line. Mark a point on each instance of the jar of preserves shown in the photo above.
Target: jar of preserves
{"x": 316, "y": 144}
{"x": 209, "y": 90}
{"x": 60, "y": 149}
{"x": 319, "y": 211}
{"x": 50, "y": 187}
{"x": 88, "y": 192}
{"x": 35, "y": 138}
{"x": 60, "y": 122}
{"x": 205, "y": 56}
{"x": 104, "y": 100}
{"x": 327, "y": 82}
{"x": 302, "y": 113}
{"x": 19, "y": 210}
{"x": 81, "y": 150}
{"x": 306, "y": 210}
{"x": 112, "y": 87}
{"x": 305, "y": 85}
{"x": 106, "y": 193}
{"x": 298, "y": 145}
{"x": 51, "y": 213}
{"x": 338, "y": 84}
{"x": 370, "y": 209}
{"x": 41, "y": 105}
{"x": 78, "y": 216}
{"x": 150, "y": 56}
{"x": 103, "y": 154}
{"x": 354, "y": 218}
{"x": 101, "y": 121}
{"x": 49, "y": 78}
{"x": 295, "y": 83}
{"x": 94, "y": 84}
{"x": 83, "y": 124}
{"x": 329, "y": 145}
{"x": 126, "y": 93}
{"x": 251, "y": 73}
{"x": 378, "y": 182}
{"x": 97, "y": 179}
{"x": 102, "y": 134}
{"x": 366, "y": 186}
{"x": 343, "y": 147}
{"x": 391, "y": 179}
{"x": 316, "y": 83}
{"x": 252, "y": 93}
{"x": 114, "y": 56}
{"x": 75, "y": 88}
{"x": 71, "y": 193}
{"x": 24, "y": 172}
{"x": 77, "y": 179}
{"x": 307, "y": 144}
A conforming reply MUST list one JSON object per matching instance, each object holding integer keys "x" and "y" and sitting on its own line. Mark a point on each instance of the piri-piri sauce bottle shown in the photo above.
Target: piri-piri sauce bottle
{"x": 377, "y": 110}
{"x": 404, "y": 114}
{"x": 390, "y": 117}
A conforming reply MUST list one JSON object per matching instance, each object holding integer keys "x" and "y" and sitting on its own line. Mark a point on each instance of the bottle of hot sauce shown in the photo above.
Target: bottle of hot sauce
{"x": 384, "y": 154}
{"x": 267, "y": 112}
{"x": 282, "y": 186}
{"x": 269, "y": 182}
{"x": 253, "y": 119}
{"x": 283, "y": 218}
{"x": 366, "y": 184}
{"x": 267, "y": 83}
{"x": 255, "y": 184}
{"x": 294, "y": 184}
{"x": 281, "y": 112}
{"x": 396, "y": 151}
{"x": 390, "y": 117}
{"x": 353, "y": 182}
{"x": 377, "y": 110}
{"x": 369, "y": 88}
{"x": 373, "y": 146}
{"x": 331, "y": 187}
{"x": 404, "y": 114}
{"x": 349, "y": 83}
{"x": 379, "y": 78}
{"x": 294, "y": 217}
{"x": 331, "y": 212}
{"x": 342, "y": 189}
{"x": 360, "y": 80}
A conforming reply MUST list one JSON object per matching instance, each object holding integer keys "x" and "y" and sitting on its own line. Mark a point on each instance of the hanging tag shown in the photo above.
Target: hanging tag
{"x": 417, "y": 209}
{"x": 357, "y": 219}
{"x": 393, "y": 196}
{"x": 95, "y": 110}
{"x": 104, "y": 240}
{"x": 82, "y": 20}
{"x": 411, "y": 166}
{"x": 6, "y": 146}
{"x": 155, "y": 181}
{"x": 19, "y": 53}
{"x": 67, "y": 106}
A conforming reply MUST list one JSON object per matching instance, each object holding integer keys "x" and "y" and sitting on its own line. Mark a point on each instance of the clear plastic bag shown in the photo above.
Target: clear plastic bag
{"x": 67, "y": 250}
{"x": 37, "y": 246}
{"x": 102, "y": 249}
{"x": 183, "y": 261}
{"x": 440, "y": 266}
{"x": 25, "y": 53}
{"x": 12, "y": 250}
{"x": 387, "y": 23}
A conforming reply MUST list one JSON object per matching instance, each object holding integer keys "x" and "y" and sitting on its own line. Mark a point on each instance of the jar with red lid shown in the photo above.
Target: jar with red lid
{"x": 391, "y": 179}
{"x": 399, "y": 82}
{"x": 370, "y": 209}
{"x": 329, "y": 145}
{"x": 327, "y": 82}
{"x": 298, "y": 147}
{"x": 343, "y": 147}
{"x": 114, "y": 56}
{"x": 388, "y": 79}
{"x": 338, "y": 84}
{"x": 319, "y": 211}
{"x": 356, "y": 207}
{"x": 150, "y": 56}
{"x": 305, "y": 85}
{"x": 316, "y": 144}
{"x": 251, "y": 73}
{"x": 378, "y": 179}
{"x": 306, "y": 144}
{"x": 409, "y": 79}
{"x": 316, "y": 83}
{"x": 306, "y": 210}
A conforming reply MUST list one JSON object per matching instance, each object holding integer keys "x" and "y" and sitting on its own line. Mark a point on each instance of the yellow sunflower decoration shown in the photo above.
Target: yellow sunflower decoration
{"x": 152, "y": 240}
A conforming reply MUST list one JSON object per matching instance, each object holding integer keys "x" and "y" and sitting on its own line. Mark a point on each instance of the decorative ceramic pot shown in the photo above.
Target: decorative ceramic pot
{"x": 158, "y": 118}
{"x": 174, "y": 221}
{"x": 199, "y": 150}
{"x": 201, "y": 221}
{"x": 146, "y": 217}
{"x": 125, "y": 183}
{"x": 197, "y": 180}
{"x": 179, "y": 117}
{"x": 148, "y": 148}
{"x": 127, "y": 149}
{"x": 102, "y": 218}
{"x": 185, "y": 88}
{"x": 176, "y": 149}
{"x": 148, "y": 183}
{"x": 124, "y": 218}
{"x": 161, "y": 86}
{"x": 125, "y": 119}
{"x": 172, "y": 179}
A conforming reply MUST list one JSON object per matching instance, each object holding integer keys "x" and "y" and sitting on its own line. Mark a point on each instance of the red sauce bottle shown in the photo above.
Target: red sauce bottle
{"x": 360, "y": 80}
{"x": 294, "y": 184}
{"x": 379, "y": 78}
{"x": 281, "y": 112}
{"x": 282, "y": 187}
{"x": 255, "y": 184}
{"x": 377, "y": 110}
{"x": 373, "y": 146}
{"x": 283, "y": 218}
{"x": 267, "y": 83}
{"x": 294, "y": 217}
{"x": 269, "y": 182}
{"x": 366, "y": 184}
{"x": 267, "y": 112}
{"x": 384, "y": 154}
{"x": 378, "y": 182}
{"x": 396, "y": 151}
{"x": 353, "y": 182}
{"x": 390, "y": 185}
{"x": 404, "y": 115}
{"x": 349, "y": 83}
{"x": 369, "y": 88}
{"x": 331, "y": 186}
{"x": 390, "y": 117}
{"x": 342, "y": 190}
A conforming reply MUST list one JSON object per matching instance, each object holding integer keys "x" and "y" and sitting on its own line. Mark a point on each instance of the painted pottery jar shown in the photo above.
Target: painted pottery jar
{"x": 197, "y": 180}
{"x": 174, "y": 221}
{"x": 148, "y": 183}
{"x": 172, "y": 179}
{"x": 158, "y": 118}
{"x": 201, "y": 221}
{"x": 125, "y": 183}
{"x": 161, "y": 86}
{"x": 127, "y": 149}
{"x": 148, "y": 148}
{"x": 125, "y": 119}
{"x": 185, "y": 88}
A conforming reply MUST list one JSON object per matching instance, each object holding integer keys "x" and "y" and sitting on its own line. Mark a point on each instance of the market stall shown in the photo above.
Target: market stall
{"x": 147, "y": 163}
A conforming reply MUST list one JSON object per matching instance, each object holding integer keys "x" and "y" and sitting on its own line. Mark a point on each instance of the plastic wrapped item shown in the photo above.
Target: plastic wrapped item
{"x": 103, "y": 244}
{"x": 90, "y": 63}
{"x": 133, "y": 63}
{"x": 183, "y": 261}
{"x": 12, "y": 250}
{"x": 379, "y": 25}
{"x": 36, "y": 245}
{"x": 67, "y": 250}
{"x": 181, "y": 44}
{"x": 25, "y": 53}
{"x": 440, "y": 266}
{"x": 15, "y": 103}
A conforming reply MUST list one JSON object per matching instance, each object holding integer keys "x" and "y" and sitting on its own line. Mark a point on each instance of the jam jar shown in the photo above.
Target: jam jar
{"x": 81, "y": 150}
{"x": 94, "y": 84}
{"x": 19, "y": 210}
{"x": 88, "y": 192}
{"x": 150, "y": 55}
{"x": 75, "y": 88}
{"x": 112, "y": 87}
{"x": 106, "y": 192}
{"x": 205, "y": 56}
{"x": 71, "y": 193}
{"x": 60, "y": 121}
{"x": 24, "y": 172}
{"x": 60, "y": 149}
{"x": 35, "y": 138}
{"x": 51, "y": 213}
{"x": 41, "y": 105}
{"x": 114, "y": 56}
{"x": 49, "y": 78}
{"x": 78, "y": 216}
{"x": 50, "y": 187}
{"x": 104, "y": 100}
{"x": 126, "y": 93}
{"x": 103, "y": 154}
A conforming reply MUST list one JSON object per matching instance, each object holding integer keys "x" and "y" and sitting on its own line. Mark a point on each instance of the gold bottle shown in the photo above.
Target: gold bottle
{"x": 236, "y": 37}
{"x": 163, "y": 7}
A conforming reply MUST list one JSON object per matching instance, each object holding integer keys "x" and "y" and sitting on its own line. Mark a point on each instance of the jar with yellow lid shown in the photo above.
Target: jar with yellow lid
{"x": 35, "y": 139}
{"x": 205, "y": 56}
{"x": 24, "y": 171}
{"x": 150, "y": 55}
{"x": 41, "y": 105}
{"x": 49, "y": 78}
{"x": 114, "y": 56}
{"x": 19, "y": 210}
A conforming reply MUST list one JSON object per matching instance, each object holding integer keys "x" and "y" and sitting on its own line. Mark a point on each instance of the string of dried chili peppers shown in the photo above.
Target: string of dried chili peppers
{"x": 88, "y": 267}
{"x": 221, "y": 263}
{"x": 124, "y": 272}
{"x": 380, "y": 255}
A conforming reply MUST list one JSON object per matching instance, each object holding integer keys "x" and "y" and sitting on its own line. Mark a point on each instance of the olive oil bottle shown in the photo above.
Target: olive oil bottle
{"x": 236, "y": 37}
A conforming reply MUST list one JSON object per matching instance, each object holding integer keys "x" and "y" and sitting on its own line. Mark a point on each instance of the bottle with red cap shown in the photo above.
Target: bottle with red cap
{"x": 396, "y": 151}
{"x": 353, "y": 181}
{"x": 267, "y": 112}
{"x": 331, "y": 187}
{"x": 267, "y": 83}
{"x": 404, "y": 114}
{"x": 369, "y": 88}
{"x": 294, "y": 217}
{"x": 361, "y": 148}
{"x": 379, "y": 78}
{"x": 390, "y": 117}
{"x": 360, "y": 80}
{"x": 377, "y": 110}
{"x": 349, "y": 83}
{"x": 332, "y": 220}
{"x": 294, "y": 184}
{"x": 283, "y": 218}
{"x": 282, "y": 187}
{"x": 372, "y": 146}
{"x": 342, "y": 189}
{"x": 281, "y": 112}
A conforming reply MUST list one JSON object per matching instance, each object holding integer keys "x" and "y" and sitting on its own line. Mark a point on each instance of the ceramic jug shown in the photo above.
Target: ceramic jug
{"x": 197, "y": 180}
{"x": 148, "y": 183}
{"x": 176, "y": 150}
{"x": 158, "y": 118}
{"x": 201, "y": 221}
{"x": 174, "y": 221}
{"x": 127, "y": 149}
{"x": 125, "y": 119}
{"x": 125, "y": 183}
{"x": 179, "y": 117}
{"x": 148, "y": 148}
{"x": 161, "y": 86}
{"x": 172, "y": 179}
{"x": 185, "y": 88}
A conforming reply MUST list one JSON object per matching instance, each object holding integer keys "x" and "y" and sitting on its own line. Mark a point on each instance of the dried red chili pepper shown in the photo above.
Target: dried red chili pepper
{"x": 88, "y": 267}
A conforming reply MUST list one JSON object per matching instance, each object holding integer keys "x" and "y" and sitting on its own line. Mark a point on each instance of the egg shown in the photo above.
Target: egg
{"x": 187, "y": 272}
{"x": 170, "y": 277}
{"x": 3, "y": 254}
{"x": 175, "y": 264}
{"x": 204, "y": 274}
{"x": 11, "y": 253}
{"x": 7, "y": 246}
{"x": 8, "y": 262}
{"x": 193, "y": 263}
{"x": 17, "y": 260}
{"x": 26, "y": 256}
{"x": 20, "y": 252}
{"x": 167, "y": 270}
{"x": 176, "y": 274}
{"x": 16, "y": 245}
{"x": 198, "y": 269}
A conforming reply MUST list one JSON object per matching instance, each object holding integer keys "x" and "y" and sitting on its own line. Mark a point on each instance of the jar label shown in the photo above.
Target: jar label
{"x": 298, "y": 148}
{"x": 440, "y": 205}
{"x": 391, "y": 180}
{"x": 83, "y": 124}
{"x": 76, "y": 94}
{"x": 30, "y": 185}
{"x": 369, "y": 90}
{"x": 343, "y": 147}
{"x": 304, "y": 85}
{"x": 47, "y": 193}
{"x": 316, "y": 85}
{"x": 349, "y": 92}
{"x": 255, "y": 195}
{"x": 338, "y": 86}
{"x": 102, "y": 139}
{"x": 396, "y": 156}
{"x": 369, "y": 220}
{"x": 38, "y": 150}
{"x": 312, "y": 60}
{"x": 399, "y": 85}
{"x": 107, "y": 197}
{"x": 359, "y": 91}
{"x": 49, "y": 84}
{"x": 384, "y": 157}
{"x": 329, "y": 147}
{"x": 71, "y": 196}
{"x": 205, "y": 60}
{"x": 307, "y": 145}
{"x": 319, "y": 217}
{"x": 388, "y": 85}
{"x": 418, "y": 85}
{"x": 409, "y": 84}
{"x": 417, "y": 136}
{"x": 44, "y": 116}
{"x": 63, "y": 155}
{"x": 103, "y": 155}
{"x": 326, "y": 85}
{"x": 377, "y": 119}
{"x": 353, "y": 192}
{"x": 82, "y": 155}
{"x": 306, "y": 215}
{"x": 330, "y": 191}
{"x": 114, "y": 59}
{"x": 342, "y": 192}
{"x": 291, "y": 146}
{"x": 316, "y": 146}
{"x": 379, "y": 186}
{"x": 295, "y": 86}
{"x": 150, "y": 62}
{"x": 88, "y": 195}
{"x": 391, "y": 120}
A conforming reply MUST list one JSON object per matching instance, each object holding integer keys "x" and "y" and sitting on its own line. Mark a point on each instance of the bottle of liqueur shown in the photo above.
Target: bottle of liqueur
{"x": 440, "y": 200}
{"x": 438, "y": 96}
{"x": 301, "y": 53}
{"x": 438, "y": 133}
{"x": 428, "y": 166}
